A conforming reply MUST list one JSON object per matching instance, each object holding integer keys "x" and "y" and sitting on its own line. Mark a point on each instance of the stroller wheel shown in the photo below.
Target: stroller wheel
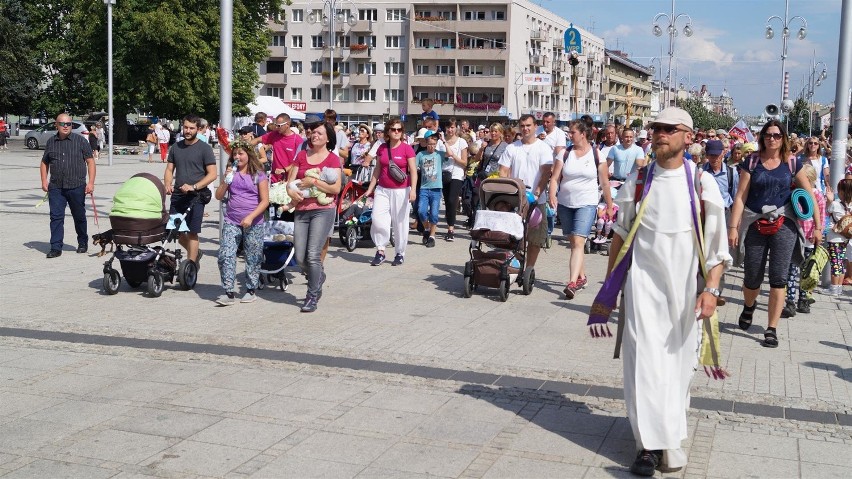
{"x": 155, "y": 284}
{"x": 112, "y": 281}
{"x": 351, "y": 238}
{"x": 504, "y": 290}
{"x": 468, "y": 286}
{"x": 187, "y": 274}
{"x": 529, "y": 281}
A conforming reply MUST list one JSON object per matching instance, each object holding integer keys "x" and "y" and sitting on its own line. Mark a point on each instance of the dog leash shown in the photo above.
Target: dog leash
{"x": 42, "y": 200}
{"x": 95, "y": 210}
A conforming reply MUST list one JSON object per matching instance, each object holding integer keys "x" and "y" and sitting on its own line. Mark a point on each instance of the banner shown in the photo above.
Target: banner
{"x": 538, "y": 79}
{"x": 741, "y": 131}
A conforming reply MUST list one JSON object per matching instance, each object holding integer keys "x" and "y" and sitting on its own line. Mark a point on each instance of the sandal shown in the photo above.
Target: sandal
{"x": 746, "y": 316}
{"x": 770, "y": 339}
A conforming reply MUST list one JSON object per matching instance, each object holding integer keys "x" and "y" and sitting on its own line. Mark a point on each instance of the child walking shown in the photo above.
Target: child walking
{"x": 247, "y": 188}
{"x": 840, "y": 207}
{"x": 794, "y": 276}
{"x": 430, "y": 162}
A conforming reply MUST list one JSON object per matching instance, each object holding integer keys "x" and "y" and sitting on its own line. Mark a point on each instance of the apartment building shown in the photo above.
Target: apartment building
{"x": 628, "y": 89}
{"x": 371, "y": 59}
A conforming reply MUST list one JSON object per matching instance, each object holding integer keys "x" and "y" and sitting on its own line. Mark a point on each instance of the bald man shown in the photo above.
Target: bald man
{"x": 66, "y": 162}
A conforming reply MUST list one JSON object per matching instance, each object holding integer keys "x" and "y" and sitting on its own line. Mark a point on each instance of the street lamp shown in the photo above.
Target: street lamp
{"x": 785, "y": 34}
{"x": 654, "y": 70}
{"x": 331, "y": 15}
{"x": 814, "y": 80}
{"x": 111, "y": 122}
{"x": 671, "y": 28}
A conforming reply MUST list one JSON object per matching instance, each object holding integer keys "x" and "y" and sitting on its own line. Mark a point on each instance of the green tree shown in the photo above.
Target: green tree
{"x": 797, "y": 118}
{"x": 165, "y": 55}
{"x": 21, "y": 73}
{"x": 703, "y": 118}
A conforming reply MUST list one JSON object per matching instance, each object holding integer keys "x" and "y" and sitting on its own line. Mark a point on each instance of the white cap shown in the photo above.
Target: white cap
{"x": 643, "y": 134}
{"x": 421, "y": 134}
{"x": 480, "y": 127}
{"x": 379, "y": 127}
{"x": 673, "y": 116}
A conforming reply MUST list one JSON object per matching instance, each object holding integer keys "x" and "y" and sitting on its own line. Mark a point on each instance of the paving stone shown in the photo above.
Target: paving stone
{"x": 244, "y": 434}
{"x": 253, "y": 380}
{"x": 177, "y": 373}
{"x": 307, "y": 468}
{"x": 79, "y": 413}
{"x": 162, "y": 422}
{"x": 120, "y": 446}
{"x": 113, "y": 367}
{"x": 462, "y": 408}
{"x": 459, "y": 432}
{"x": 323, "y": 389}
{"x": 821, "y": 452}
{"x": 289, "y": 408}
{"x": 338, "y": 447}
{"x": 406, "y": 399}
{"x": 203, "y": 459}
{"x": 380, "y": 473}
{"x": 425, "y": 459}
{"x": 823, "y": 471}
{"x": 28, "y": 435}
{"x": 136, "y": 391}
{"x": 20, "y": 404}
{"x": 575, "y": 448}
{"x": 558, "y": 420}
{"x": 750, "y": 444}
{"x": 71, "y": 384}
{"x": 710, "y": 404}
{"x": 810, "y": 415}
{"x": 759, "y": 410}
{"x": 379, "y": 420}
{"x": 728, "y": 465}
{"x": 59, "y": 470}
{"x": 513, "y": 467}
{"x": 217, "y": 399}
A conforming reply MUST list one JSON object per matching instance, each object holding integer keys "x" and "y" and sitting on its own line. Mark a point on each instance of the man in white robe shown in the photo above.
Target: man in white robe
{"x": 661, "y": 334}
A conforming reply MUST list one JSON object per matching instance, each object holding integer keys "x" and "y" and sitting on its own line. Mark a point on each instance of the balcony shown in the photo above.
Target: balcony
{"x": 539, "y": 35}
{"x": 537, "y": 60}
{"x": 277, "y": 52}
{"x": 277, "y": 27}
{"x": 363, "y": 26}
{"x": 433, "y": 53}
{"x": 338, "y": 27}
{"x": 560, "y": 66}
{"x": 435, "y": 25}
{"x": 481, "y": 81}
{"x": 332, "y": 78}
{"x": 482, "y": 26}
{"x": 481, "y": 54}
{"x": 559, "y": 43}
{"x": 359, "y": 79}
{"x": 360, "y": 51}
{"x": 337, "y": 52}
{"x": 439, "y": 81}
{"x": 276, "y": 78}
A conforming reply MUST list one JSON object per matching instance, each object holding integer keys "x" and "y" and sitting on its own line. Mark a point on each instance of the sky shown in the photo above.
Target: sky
{"x": 728, "y": 49}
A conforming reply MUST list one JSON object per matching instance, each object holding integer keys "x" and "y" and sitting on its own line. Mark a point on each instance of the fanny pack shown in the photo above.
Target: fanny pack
{"x": 769, "y": 227}
{"x": 394, "y": 171}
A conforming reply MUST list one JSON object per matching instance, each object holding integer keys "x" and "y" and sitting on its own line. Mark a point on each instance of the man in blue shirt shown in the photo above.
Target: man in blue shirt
{"x": 625, "y": 157}
{"x": 728, "y": 180}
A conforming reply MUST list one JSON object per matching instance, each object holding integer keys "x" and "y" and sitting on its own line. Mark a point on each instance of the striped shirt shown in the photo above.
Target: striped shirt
{"x": 66, "y": 160}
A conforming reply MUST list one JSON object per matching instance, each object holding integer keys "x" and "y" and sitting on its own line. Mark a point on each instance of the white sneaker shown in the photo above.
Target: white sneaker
{"x": 248, "y": 298}
{"x": 225, "y": 300}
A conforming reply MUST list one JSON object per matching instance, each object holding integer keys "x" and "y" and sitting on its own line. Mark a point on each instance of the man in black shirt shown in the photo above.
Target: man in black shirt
{"x": 67, "y": 159}
{"x": 196, "y": 168}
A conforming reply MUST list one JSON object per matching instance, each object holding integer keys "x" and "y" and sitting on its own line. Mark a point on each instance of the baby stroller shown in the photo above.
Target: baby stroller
{"x": 139, "y": 219}
{"x": 501, "y": 225}
{"x": 278, "y": 250}
{"x": 354, "y": 216}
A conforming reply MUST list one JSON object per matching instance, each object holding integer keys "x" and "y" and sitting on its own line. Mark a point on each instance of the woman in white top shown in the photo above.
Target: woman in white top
{"x": 574, "y": 192}
{"x": 456, "y": 162}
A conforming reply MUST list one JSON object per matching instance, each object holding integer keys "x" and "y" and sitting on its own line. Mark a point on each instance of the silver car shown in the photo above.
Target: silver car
{"x": 37, "y": 138}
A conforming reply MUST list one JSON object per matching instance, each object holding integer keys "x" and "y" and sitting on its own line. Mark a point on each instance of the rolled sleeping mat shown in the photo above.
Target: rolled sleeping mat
{"x": 803, "y": 204}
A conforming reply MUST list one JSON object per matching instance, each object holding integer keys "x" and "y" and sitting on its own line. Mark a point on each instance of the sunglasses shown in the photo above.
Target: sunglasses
{"x": 667, "y": 129}
{"x": 774, "y": 136}
{"x": 64, "y": 123}
{"x": 281, "y": 124}
{"x": 395, "y": 130}
{"x": 813, "y": 143}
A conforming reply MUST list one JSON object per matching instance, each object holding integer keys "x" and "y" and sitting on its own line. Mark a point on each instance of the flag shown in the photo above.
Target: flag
{"x": 741, "y": 130}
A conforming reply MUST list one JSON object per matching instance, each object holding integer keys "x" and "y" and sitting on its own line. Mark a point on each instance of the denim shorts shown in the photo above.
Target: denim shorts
{"x": 577, "y": 221}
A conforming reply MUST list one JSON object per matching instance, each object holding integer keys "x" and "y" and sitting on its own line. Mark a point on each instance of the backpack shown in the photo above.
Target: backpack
{"x": 812, "y": 268}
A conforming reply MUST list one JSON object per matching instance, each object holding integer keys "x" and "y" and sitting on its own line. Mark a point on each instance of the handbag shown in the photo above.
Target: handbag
{"x": 768, "y": 227}
{"x": 394, "y": 171}
{"x": 843, "y": 226}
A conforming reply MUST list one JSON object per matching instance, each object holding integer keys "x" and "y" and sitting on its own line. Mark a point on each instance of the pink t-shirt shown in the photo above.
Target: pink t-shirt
{"x": 400, "y": 155}
{"x": 301, "y": 160}
{"x": 284, "y": 149}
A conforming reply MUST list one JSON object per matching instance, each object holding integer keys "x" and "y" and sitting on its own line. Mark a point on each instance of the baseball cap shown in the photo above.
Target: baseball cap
{"x": 428, "y": 134}
{"x": 643, "y": 134}
{"x": 714, "y": 147}
{"x": 673, "y": 116}
{"x": 380, "y": 127}
{"x": 480, "y": 127}
{"x": 421, "y": 134}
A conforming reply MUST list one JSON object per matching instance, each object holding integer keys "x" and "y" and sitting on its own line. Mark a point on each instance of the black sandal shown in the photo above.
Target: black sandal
{"x": 770, "y": 339}
{"x": 746, "y": 316}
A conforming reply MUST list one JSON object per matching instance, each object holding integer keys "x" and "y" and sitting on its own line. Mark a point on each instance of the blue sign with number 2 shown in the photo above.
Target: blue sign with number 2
{"x": 572, "y": 40}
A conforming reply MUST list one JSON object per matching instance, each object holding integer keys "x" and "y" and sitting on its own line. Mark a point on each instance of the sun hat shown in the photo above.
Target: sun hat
{"x": 673, "y": 116}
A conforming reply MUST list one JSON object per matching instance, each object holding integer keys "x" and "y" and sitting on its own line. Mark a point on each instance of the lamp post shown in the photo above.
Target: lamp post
{"x": 654, "y": 70}
{"x": 111, "y": 123}
{"x": 785, "y": 34}
{"x": 331, "y": 15}
{"x": 671, "y": 28}
{"x": 391, "y": 60}
{"x": 814, "y": 81}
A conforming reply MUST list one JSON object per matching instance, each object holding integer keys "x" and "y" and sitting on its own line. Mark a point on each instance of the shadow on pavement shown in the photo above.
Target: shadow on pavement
{"x": 842, "y": 373}
{"x": 606, "y": 436}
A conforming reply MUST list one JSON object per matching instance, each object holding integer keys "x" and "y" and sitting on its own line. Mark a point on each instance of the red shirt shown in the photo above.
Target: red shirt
{"x": 301, "y": 160}
{"x": 400, "y": 155}
{"x": 284, "y": 149}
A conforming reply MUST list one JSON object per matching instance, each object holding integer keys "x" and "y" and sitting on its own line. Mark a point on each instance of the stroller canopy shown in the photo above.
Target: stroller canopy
{"x": 143, "y": 196}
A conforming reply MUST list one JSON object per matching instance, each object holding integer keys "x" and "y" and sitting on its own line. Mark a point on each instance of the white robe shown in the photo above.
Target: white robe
{"x": 661, "y": 335}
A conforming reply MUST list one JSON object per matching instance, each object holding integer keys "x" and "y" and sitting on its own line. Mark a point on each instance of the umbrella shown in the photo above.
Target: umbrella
{"x": 273, "y": 106}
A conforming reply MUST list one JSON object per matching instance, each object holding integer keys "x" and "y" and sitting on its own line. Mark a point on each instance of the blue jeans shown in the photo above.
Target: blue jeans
{"x": 429, "y": 204}
{"x": 253, "y": 240}
{"x": 310, "y": 232}
{"x": 75, "y": 199}
{"x": 577, "y": 221}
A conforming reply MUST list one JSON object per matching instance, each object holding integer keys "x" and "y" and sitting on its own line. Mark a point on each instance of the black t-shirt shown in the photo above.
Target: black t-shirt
{"x": 190, "y": 161}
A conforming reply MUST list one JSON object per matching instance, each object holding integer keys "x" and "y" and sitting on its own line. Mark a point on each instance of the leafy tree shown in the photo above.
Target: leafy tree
{"x": 703, "y": 118}
{"x": 165, "y": 55}
{"x": 636, "y": 123}
{"x": 21, "y": 73}
{"x": 797, "y": 118}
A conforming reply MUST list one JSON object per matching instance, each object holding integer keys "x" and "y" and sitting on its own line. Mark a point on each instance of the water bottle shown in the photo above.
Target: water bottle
{"x": 230, "y": 176}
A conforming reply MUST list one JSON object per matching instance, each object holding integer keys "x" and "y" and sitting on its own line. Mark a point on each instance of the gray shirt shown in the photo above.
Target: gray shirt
{"x": 66, "y": 159}
{"x": 190, "y": 161}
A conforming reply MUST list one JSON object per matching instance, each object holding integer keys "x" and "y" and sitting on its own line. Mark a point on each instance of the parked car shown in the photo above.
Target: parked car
{"x": 37, "y": 138}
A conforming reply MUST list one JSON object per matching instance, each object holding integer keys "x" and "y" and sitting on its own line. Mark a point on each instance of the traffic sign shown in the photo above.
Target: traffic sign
{"x": 573, "y": 40}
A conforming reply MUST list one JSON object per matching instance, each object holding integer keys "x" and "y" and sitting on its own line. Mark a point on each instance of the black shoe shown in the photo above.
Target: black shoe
{"x": 449, "y": 236}
{"x": 310, "y": 305}
{"x": 430, "y": 243}
{"x": 746, "y": 316}
{"x": 804, "y": 306}
{"x": 425, "y": 237}
{"x": 378, "y": 259}
{"x": 398, "y": 260}
{"x": 54, "y": 253}
{"x": 82, "y": 249}
{"x": 646, "y": 462}
{"x": 789, "y": 310}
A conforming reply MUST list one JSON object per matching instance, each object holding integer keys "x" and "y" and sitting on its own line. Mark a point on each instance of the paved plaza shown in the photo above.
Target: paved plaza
{"x": 396, "y": 374}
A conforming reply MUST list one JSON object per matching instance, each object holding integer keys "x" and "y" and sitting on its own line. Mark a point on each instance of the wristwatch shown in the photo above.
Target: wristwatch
{"x": 715, "y": 292}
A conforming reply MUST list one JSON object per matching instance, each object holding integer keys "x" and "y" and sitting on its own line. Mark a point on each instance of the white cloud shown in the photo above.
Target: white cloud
{"x": 760, "y": 55}
{"x": 620, "y": 31}
{"x": 702, "y": 49}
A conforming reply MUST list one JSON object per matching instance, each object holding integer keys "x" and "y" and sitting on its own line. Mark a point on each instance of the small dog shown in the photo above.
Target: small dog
{"x": 102, "y": 240}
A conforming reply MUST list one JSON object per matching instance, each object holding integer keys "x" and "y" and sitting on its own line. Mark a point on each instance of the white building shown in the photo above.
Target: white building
{"x": 468, "y": 56}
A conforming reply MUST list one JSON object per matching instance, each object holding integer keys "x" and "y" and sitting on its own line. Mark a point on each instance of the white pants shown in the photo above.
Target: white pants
{"x": 390, "y": 208}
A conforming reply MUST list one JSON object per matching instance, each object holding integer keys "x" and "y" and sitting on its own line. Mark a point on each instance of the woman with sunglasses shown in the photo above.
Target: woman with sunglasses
{"x": 392, "y": 199}
{"x": 358, "y": 153}
{"x": 764, "y": 226}
{"x": 813, "y": 154}
{"x": 313, "y": 221}
{"x": 456, "y": 151}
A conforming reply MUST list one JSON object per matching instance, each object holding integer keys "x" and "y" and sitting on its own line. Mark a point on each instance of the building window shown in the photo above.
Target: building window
{"x": 468, "y": 70}
{"x": 342, "y": 67}
{"x": 366, "y": 94}
{"x": 342, "y": 95}
{"x": 394, "y": 95}
{"x": 395, "y": 15}
{"x": 421, "y": 95}
{"x": 447, "y": 15}
{"x": 474, "y": 15}
{"x": 316, "y": 67}
{"x": 442, "y": 96}
{"x": 370, "y": 14}
{"x": 296, "y": 94}
{"x": 422, "y": 43}
{"x": 422, "y": 69}
{"x": 298, "y": 15}
{"x": 498, "y": 15}
{"x": 275, "y": 91}
{"x": 296, "y": 41}
{"x": 296, "y": 67}
{"x": 393, "y": 41}
{"x": 316, "y": 93}
{"x": 368, "y": 68}
{"x": 278, "y": 41}
{"x": 394, "y": 68}
{"x": 275, "y": 66}
{"x": 342, "y": 41}
{"x": 445, "y": 69}
{"x": 317, "y": 41}
{"x": 422, "y": 13}
{"x": 447, "y": 42}
{"x": 369, "y": 40}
